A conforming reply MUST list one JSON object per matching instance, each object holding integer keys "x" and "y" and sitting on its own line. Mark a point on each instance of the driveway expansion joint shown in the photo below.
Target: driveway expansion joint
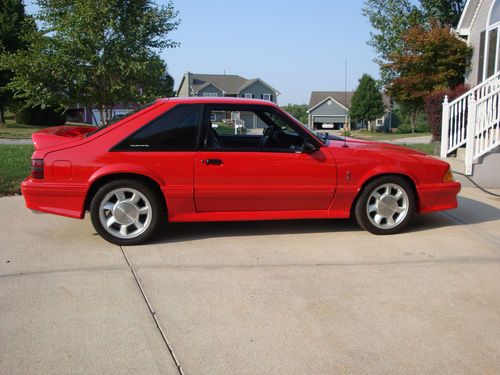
{"x": 153, "y": 313}
{"x": 470, "y": 227}
{"x": 416, "y": 262}
{"x": 65, "y": 270}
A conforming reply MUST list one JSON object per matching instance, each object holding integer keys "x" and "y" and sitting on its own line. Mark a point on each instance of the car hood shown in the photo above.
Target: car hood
{"x": 375, "y": 146}
{"x": 58, "y": 135}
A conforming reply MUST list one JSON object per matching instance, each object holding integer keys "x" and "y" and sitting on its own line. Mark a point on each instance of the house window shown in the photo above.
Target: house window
{"x": 248, "y": 95}
{"x": 266, "y": 97}
{"x": 211, "y": 94}
{"x": 380, "y": 121}
{"x": 489, "y": 53}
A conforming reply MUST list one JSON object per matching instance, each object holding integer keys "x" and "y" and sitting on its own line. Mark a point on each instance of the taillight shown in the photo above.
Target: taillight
{"x": 37, "y": 168}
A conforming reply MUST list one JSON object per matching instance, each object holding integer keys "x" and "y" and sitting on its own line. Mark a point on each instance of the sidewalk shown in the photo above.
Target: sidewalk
{"x": 7, "y": 141}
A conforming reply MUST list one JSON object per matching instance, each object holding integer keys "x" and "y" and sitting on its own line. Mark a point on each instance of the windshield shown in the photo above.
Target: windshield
{"x": 117, "y": 118}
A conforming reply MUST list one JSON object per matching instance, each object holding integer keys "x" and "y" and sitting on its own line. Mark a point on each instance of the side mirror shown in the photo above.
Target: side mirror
{"x": 308, "y": 147}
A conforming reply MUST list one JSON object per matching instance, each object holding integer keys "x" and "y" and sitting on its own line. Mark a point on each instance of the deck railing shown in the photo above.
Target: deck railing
{"x": 473, "y": 120}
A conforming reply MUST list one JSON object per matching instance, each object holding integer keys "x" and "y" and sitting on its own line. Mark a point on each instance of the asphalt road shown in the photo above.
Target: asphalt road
{"x": 292, "y": 297}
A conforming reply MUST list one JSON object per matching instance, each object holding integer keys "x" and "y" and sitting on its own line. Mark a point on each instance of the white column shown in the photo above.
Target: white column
{"x": 471, "y": 130}
{"x": 445, "y": 125}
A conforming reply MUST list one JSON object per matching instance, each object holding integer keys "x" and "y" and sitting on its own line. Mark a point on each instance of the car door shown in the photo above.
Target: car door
{"x": 249, "y": 176}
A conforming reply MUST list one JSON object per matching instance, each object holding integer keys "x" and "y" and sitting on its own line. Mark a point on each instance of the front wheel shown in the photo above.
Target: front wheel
{"x": 386, "y": 205}
{"x": 125, "y": 212}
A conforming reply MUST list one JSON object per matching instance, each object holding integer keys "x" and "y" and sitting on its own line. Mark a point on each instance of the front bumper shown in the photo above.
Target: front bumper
{"x": 438, "y": 197}
{"x": 55, "y": 198}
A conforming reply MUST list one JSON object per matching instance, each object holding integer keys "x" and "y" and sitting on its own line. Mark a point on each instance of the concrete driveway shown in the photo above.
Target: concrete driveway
{"x": 301, "y": 297}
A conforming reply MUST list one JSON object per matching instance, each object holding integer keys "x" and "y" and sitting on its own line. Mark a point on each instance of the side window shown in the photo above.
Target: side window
{"x": 176, "y": 130}
{"x": 252, "y": 130}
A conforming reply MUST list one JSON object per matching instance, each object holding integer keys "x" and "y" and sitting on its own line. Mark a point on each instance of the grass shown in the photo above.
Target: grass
{"x": 17, "y": 131}
{"x": 427, "y": 148}
{"x": 223, "y": 128}
{"x": 15, "y": 166}
{"x": 376, "y": 136}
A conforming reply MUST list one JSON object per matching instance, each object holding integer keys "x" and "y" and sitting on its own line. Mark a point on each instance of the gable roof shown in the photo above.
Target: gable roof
{"x": 250, "y": 82}
{"x": 206, "y": 84}
{"x": 341, "y": 97}
{"x": 229, "y": 83}
{"x": 468, "y": 16}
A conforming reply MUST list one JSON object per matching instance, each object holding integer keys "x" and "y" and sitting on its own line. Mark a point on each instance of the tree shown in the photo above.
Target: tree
{"x": 447, "y": 12}
{"x": 431, "y": 59}
{"x": 99, "y": 53}
{"x": 390, "y": 19}
{"x": 12, "y": 21}
{"x": 367, "y": 104}
{"x": 299, "y": 111}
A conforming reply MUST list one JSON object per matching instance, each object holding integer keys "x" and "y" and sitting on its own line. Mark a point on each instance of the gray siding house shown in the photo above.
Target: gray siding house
{"x": 470, "y": 137}
{"x": 330, "y": 110}
{"x": 228, "y": 85}
{"x": 479, "y": 26}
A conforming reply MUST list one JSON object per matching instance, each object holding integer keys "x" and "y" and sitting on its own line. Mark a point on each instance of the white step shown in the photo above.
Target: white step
{"x": 456, "y": 164}
{"x": 460, "y": 153}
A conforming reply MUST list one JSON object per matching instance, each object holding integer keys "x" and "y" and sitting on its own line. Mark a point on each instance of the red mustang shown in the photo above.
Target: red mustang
{"x": 191, "y": 159}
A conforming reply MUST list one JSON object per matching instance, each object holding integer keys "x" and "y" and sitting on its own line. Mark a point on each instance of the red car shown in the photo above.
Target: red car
{"x": 191, "y": 159}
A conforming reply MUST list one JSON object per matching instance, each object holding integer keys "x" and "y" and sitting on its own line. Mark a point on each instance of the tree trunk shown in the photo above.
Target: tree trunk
{"x": 2, "y": 114}
{"x": 101, "y": 116}
{"x": 413, "y": 121}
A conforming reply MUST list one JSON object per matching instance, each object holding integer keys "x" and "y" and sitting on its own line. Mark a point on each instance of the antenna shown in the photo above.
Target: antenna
{"x": 345, "y": 105}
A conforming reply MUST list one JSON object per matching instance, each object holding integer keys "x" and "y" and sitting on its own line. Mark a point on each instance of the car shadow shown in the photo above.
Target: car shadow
{"x": 180, "y": 232}
{"x": 470, "y": 211}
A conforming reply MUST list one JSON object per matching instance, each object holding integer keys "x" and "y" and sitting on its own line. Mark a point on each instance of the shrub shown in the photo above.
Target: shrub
{"x": 404, "y": 128}
{"x": 433, "y": 107}
{"x": 38, "y": 116}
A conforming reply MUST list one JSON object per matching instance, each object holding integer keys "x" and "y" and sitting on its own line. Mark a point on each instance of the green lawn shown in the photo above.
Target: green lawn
{"x": 15, "y": 166}
{"x": 428, "y": 148}
{"x": 224, "y": 128}
{"x": 17, "y": 131}
{"x": 376, "y": 136}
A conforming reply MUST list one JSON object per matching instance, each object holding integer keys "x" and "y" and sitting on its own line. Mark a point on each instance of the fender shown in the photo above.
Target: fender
{"x": 125, "y": 168}
{"x": 386, "y": 169}
{"x": 347, "y": 192}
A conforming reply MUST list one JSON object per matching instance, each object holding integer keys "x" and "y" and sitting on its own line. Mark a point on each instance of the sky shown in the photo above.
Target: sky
{"x": 295, "y": 46}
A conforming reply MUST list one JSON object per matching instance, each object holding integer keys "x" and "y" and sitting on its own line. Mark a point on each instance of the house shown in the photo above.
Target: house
{"x": 228, "y": 85}
{"x": 470, "y": 137}
{"x": 330, "y": 110}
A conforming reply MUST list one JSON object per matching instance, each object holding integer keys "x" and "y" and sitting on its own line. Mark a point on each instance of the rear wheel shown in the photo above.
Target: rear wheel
{"x": 386, "y": 205}
{"x": 125, "y": 212}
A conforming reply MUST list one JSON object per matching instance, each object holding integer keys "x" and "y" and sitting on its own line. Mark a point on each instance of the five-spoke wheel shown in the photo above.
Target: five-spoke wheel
{"x": 386, "y": 205}
{"x": 125, "y": 212}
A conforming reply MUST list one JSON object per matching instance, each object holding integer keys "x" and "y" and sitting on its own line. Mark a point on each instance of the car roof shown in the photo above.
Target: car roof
{"x": 218, "y": 100}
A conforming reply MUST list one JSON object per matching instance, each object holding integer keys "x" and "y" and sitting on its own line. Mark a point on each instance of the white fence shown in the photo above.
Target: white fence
{"x": 472, "y": 120}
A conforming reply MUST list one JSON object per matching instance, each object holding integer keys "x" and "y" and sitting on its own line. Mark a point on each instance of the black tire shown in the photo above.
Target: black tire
{"x": 367, "y": 220}
{"x": 151, "y": 220}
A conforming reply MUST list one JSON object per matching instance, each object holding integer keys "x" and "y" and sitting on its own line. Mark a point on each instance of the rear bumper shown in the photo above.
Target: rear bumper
{"x": 55, "y": 198}
{"x": 438, "y": 197}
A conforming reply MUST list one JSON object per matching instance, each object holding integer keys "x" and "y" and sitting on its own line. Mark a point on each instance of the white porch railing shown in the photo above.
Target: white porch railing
{"x": 473, "y": 120}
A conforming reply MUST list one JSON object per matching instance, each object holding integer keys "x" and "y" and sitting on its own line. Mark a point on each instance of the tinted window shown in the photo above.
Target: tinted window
{"x": 175, "y": 130}
{"x": 251, "y": 129}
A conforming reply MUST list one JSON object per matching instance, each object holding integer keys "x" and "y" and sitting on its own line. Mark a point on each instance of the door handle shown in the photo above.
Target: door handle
{"x": 212, "y": 161}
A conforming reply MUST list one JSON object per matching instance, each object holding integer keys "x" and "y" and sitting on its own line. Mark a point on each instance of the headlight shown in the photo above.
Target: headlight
{"x": 448, "y": 176}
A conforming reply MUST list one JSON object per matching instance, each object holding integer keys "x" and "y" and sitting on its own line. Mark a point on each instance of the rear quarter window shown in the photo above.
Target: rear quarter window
{"x": 175, "y": 130}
